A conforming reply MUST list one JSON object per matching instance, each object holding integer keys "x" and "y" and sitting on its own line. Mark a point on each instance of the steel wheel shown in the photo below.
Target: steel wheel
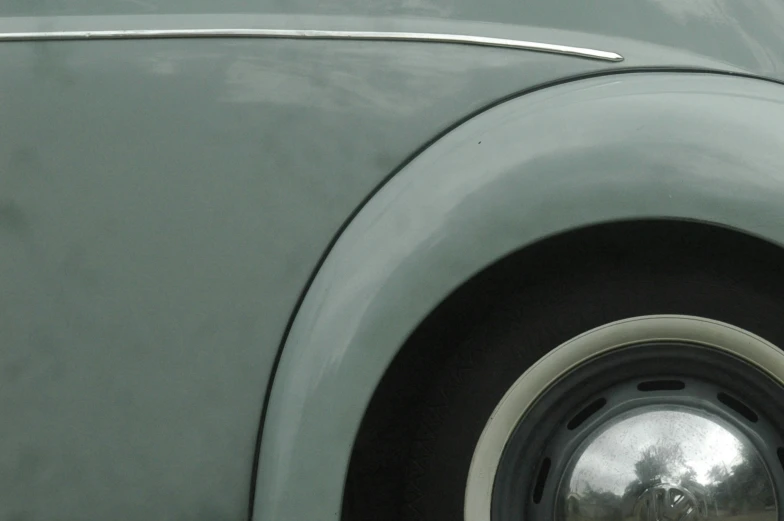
{"x": 652, "y": 418}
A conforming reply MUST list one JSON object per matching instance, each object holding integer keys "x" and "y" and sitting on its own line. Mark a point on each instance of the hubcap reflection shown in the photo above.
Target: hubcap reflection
{"x": 662, "y": 463}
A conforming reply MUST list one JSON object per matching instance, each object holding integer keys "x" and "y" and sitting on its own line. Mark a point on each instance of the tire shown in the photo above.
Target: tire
{"x": 526, "y": 327}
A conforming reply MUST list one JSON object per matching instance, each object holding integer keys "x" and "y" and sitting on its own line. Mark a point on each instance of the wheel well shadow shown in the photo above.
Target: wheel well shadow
{"x": 374, "y": 486}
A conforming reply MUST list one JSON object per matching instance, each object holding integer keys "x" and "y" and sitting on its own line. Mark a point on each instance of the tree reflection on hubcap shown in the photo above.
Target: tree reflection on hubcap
{"x": 667, "y": 463}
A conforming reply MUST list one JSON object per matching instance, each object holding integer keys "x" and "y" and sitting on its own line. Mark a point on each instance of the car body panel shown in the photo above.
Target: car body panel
{"x": 162, "y": 205}
{"x": 701, "y": 147}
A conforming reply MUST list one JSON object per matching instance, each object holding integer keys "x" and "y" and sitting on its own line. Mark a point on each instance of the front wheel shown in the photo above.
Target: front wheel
{"x": 627, "y": 399}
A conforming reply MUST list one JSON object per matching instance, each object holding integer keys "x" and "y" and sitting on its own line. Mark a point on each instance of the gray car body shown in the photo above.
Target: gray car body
{"x": 177, "y": 214}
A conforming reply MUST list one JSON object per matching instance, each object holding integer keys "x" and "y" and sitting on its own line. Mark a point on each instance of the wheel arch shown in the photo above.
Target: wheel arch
{"x": 689, "y": 147}
{"x": 653, "y": 248}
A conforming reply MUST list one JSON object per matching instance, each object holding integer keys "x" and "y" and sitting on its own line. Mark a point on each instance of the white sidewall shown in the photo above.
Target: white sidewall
{"x": 522, "y": 394}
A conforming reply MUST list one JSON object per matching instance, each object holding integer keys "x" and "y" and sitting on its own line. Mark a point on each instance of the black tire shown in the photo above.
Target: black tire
{"x": 525, "y": 327}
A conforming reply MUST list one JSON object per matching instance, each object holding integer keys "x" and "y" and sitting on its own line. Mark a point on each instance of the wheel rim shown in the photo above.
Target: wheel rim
{"x": 636, "y": 420}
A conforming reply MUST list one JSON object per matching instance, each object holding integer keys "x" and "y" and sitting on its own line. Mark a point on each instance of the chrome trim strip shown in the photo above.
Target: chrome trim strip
{"x": 314, "y": 35}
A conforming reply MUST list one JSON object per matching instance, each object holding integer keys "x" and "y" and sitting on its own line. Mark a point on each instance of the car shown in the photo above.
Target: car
{"x": 402, "y": 260}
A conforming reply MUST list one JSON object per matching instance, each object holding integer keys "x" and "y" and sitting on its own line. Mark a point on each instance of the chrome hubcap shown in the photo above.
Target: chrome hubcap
{"x": 667, "y": 463}
{"x": 659, "y": 418}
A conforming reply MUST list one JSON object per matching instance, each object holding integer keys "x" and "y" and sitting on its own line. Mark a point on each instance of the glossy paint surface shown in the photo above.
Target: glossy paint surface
{"x": 628, "y": 146}
{"x": 162, "y": 204}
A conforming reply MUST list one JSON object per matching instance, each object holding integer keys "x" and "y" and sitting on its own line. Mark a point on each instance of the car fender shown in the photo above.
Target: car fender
{"x": 693, "y": 146}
